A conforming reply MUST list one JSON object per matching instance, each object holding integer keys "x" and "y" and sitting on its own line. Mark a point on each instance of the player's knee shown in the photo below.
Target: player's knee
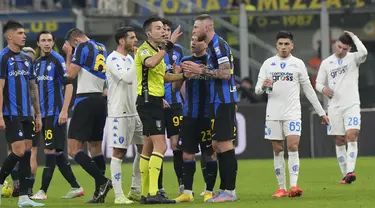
{"x": 118, "y": 153}
{"x": 188, "y": 156}
{"x": 277, "y": 146}
{"x": 18, "y": 148}
{"x": 293, "y": 148}
{"x": 340, "y": 141}
{"x": 352, "y": 136}
{"x": 49, "y": 151}
{"x": 222, "y": 146}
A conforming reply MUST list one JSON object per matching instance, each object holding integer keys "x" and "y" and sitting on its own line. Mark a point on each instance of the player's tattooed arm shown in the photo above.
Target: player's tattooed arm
{"x": 35, "y": 97}
{"x": 223, "y": 72}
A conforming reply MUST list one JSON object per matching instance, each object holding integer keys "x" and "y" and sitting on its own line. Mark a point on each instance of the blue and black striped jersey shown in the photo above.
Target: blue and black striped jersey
{"x": 50, "y": 78}
{"x": 170, "y": 58}
{"x": 17, "y": 70}
{"x": 91, "y": 57}
{"x": 196, "y": 92}
{"x": 221, "y": 91}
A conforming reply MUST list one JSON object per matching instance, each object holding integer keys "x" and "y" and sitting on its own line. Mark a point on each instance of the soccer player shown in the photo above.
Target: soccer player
{"x": 150, "y": 68}
{"x": 282, "y": 76}
{"x": 50, "y": 70}
{"x": 125, "y": 126}
{"x": 196, "y": 128}
{"x": 19, "y": 92}
{"x": 173, "y": 114}
{"x": 340, "y": 71}
{"x": 223, "y": 99}
{"x": 90, "y": 108}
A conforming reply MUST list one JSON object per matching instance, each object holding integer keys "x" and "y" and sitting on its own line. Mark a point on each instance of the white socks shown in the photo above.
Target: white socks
{"x": 342, "y": 158}
{"x": 351, "y": 156}
{"x": 279, "y": 167}
{"x": 136, "y": 176}
{"x": 293, "y": 164}
{"x": 116, "y": 176}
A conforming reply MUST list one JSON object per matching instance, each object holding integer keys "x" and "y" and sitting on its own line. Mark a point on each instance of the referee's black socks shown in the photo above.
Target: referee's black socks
{"x": 228, "y": 165}
{"x": 88, "y": 164}
{"x": 178, "y": 165}
{"x": 8, "y": 166}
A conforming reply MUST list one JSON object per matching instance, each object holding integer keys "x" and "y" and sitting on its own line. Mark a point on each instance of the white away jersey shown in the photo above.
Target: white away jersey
{"x": 341, "y": 75}
{"x": 288, "y": 75}
{"x": 122, "y": 85}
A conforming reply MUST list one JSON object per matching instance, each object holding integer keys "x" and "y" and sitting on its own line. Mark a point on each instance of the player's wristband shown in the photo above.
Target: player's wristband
{"x": 169, "y": 45}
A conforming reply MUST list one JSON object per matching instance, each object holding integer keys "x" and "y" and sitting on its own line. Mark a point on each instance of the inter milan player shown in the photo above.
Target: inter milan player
{"x": 54, "y": 104}
{"x": 90, "y": 107}
{"x": 19, "y": 92}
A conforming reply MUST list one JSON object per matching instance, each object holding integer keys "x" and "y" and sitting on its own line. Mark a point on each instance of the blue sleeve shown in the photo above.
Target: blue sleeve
{"x": 60, "y": 67}
{"x": 80, "y": 54}
{"x": 222, "y": 51}
{"x": 32, "y": 72}
{"x": 3, "y": 67}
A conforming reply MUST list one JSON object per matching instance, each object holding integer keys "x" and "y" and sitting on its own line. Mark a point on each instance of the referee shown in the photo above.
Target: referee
{"x": 150, "y": 68}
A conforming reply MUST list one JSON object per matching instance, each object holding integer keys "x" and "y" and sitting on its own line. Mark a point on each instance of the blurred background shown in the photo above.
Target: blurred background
{"x": 249, "y": 27}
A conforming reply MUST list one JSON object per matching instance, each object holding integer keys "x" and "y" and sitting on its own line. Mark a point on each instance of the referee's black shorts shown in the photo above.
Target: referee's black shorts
{"x": 151, "y": 114}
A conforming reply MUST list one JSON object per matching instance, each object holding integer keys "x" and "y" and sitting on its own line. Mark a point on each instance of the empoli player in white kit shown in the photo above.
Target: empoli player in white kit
{"x": 282, "y": 76}
{"x": 341, "y": 72}
{"x": 125, "y": 126}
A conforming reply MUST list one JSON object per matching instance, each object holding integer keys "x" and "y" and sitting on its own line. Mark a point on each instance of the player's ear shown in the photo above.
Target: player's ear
{"x": 291, "y": 45}
{"x": 122, "y": 41}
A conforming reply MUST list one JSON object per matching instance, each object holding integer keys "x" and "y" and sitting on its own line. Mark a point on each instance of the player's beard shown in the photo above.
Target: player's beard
{"x": 129, "y": 48}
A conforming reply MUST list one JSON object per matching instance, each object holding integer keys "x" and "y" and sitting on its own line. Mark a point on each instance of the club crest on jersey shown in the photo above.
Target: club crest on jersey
{"x": 49, "y": 67}
{"x": 174, "y": 57}
{"x": 282, "y": 65}
{"x": 340, "y": 61}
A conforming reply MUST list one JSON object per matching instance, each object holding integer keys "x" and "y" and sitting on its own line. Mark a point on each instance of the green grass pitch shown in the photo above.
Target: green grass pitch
{"x": 256, "y": 183}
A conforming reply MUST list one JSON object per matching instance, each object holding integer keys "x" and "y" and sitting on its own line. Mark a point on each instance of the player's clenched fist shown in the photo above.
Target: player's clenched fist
{"x": 267, "y": 83}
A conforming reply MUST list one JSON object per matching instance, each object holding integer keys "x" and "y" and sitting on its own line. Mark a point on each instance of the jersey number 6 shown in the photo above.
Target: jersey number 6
{"x": 100, "y": 63}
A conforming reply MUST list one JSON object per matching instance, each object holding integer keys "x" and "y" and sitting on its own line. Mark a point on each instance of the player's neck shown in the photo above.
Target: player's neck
{"x": 282, "y": 57}
{"x": 199, "y": 54}
{"x": 209, "y": 37}
{"x": 122, "y": 51}
{"x": 14, "y": 48}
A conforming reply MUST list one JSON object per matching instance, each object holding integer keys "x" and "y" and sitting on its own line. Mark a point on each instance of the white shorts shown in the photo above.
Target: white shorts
{"x": 124, "y": 131}
{"x": 278, "y": 130}
{"x": 343, "y": 118}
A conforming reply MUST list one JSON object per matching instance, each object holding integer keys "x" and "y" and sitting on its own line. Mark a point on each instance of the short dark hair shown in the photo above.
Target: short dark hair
{"x": 74, "y": 32}
{"x": 122, "y": 32}
{"x": 45, "y": 32}
{"x": 346, "y": 39}
{"x": 284, "y": 34}
{"x": 12, "y": 25}
{"x": 149, "y": 21}
{"x": 203, "y": 17}
{"x": 166, "y": 22}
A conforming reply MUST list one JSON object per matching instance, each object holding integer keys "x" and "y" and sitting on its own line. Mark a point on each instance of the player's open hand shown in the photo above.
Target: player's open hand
{"x": 267, "y": 83}
{"x": 190, "y": 75}
{"x": 349, "y": 33}
{"x": 176, "y": 34}
{"x": 38, "y": 123}
{"x": 63, "y": 117}
{"x": 165, "y": 104}
{"x": 67, "y": 48}
{"x": 324, "y": 120}
{"x": 328, "y": 92}
{"x": 2, "y": 124}
{"x": 192, "y": 67}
